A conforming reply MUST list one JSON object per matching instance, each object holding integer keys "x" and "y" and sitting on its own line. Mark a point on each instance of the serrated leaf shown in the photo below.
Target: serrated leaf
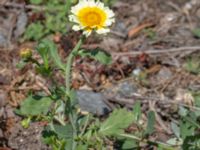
{"x": 137, "y": 111}
{"x": 118, "y": 120}
{"x": 97, "y": 54}
{"x": 35, "y": 105}
{"x": 150, "y": 123}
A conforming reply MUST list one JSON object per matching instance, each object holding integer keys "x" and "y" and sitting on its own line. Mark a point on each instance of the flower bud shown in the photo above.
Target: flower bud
{"x": 25, "y": 53}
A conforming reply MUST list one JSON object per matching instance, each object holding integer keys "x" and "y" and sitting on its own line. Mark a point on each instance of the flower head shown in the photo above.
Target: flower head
{"x": 91, "y": 15}
{"x": 25, "y": 53}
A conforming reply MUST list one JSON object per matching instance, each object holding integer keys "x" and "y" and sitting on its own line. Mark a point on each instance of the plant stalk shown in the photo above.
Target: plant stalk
{"x": 69, "y": 66}
{"x": 68, "y": 89}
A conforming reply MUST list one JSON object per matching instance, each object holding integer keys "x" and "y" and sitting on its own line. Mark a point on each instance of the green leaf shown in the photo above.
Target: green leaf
{"x": 118, "y": 120}
{"x": 82, "y": 147}
{"x": 63, "y": 131}
{"x": 129, "y": 145}
{"x": 186, "y": 129}
{"x": 51, "y": 47}
{"x": 26, "y": 122}
{"x": 97, "y": 54}
{"x": 137, "y": 111}
{"x": 196, "y": 32}
{"x": 182, "y": 111}
{"x": 150, "y": 123}
{"x": 192, "y": 65}
{"x": 197, "y": 99}
{"x": 35, "y": 31}
{"x": 174, "y": 141}
{"x": 36, "y": 2}
{"x": 191, "y": 143}
{"x": 175, "y": 129}
{"x": 34, "y": 105}
{"x": 21, "y": 64}
{"x": 48, "y": 136}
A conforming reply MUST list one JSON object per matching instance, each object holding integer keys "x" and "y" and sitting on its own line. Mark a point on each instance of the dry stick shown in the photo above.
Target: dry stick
{"x": 22, "y": 6}
{"x": 172, "y": 50}
{"x": 158, "y": 119}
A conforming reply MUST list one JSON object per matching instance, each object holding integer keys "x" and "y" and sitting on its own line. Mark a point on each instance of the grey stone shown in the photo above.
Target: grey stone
{"x": 126, "y": 89}
{"x": 3, "y": 40}
{"x": 92, "y": 102}
{"x": 164, "y": 74}
{"x": 22, "y": 21}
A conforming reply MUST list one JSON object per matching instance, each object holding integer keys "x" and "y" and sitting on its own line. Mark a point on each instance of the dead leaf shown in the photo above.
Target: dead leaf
{"x": 135, "y": 30}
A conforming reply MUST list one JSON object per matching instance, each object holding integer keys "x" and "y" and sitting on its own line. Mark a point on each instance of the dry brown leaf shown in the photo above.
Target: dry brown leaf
{"x": 135, "y": 30}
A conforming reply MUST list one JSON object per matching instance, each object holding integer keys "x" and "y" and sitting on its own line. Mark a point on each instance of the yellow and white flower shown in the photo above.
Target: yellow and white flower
{"x": 91, "y": 15}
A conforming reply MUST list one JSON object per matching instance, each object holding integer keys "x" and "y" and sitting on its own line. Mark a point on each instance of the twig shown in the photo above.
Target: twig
{"x": 172, "y": 50}
{"x": 22, "y": 6}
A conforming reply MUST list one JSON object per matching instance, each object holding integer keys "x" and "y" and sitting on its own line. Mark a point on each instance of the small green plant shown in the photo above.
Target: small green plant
{"x": 196, "y": 32}
{"x": 67, "y": 128}
{"x": 192, "y": 65}
{"x": 54, "y": 18}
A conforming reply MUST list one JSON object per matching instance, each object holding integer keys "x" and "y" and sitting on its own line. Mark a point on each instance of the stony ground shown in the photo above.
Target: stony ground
{"x": 150, "y": 44}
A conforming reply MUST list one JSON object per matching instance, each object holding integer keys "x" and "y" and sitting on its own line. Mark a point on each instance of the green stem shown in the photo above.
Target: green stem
{"x": 69, "y": 65}
{"x": 165, "y": 145}
{"x": 85, "y": 125}
{"x": 68, "y": 89}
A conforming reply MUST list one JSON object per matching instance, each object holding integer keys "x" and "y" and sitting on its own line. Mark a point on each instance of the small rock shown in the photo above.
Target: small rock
{"x": 121, "y": 28}
{"x": 92, "y": 102}
{"x": 110, "y": 43}
{"x": 164, "y": 74}
{"x": 127, "y": 89}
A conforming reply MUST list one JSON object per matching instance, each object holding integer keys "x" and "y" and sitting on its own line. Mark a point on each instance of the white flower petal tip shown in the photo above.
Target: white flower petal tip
{"x": 91, "y": 15}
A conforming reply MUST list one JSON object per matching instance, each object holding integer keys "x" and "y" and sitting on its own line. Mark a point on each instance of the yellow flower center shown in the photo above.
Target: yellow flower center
{"x": 92, "y": 17}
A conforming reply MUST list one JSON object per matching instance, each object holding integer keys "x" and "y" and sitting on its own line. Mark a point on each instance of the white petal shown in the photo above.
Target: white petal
{"x": 109, "y": 21}
{"x": 74, "y": 19}
{"x": 91, "y": 3}
{"x": 87, "y": 32}
{"x": 100, "y": 5}
{"x": 109, "y": 12}
{"x": 103, "y": 31}
{"x": 76, "y": 27}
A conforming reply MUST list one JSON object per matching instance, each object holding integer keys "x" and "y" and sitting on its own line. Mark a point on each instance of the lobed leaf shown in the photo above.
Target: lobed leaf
{"x": 34, "y": 105}
{"x": 118, "y": 120}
